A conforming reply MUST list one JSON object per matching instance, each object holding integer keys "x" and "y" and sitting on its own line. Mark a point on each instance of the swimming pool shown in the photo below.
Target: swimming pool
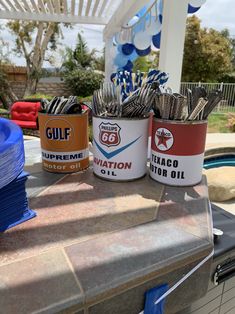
{"x": 219, "y": 161}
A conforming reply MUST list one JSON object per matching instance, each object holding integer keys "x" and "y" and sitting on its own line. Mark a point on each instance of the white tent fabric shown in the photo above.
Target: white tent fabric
{"x": 67, "y": 11}
{"x": 114, "y": 14}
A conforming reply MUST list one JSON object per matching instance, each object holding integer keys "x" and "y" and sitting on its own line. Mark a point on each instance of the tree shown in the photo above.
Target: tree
{"x": 33, "y": 40}
{"x": 6, "y": 93}
{"x": 99, "y": 62}
{"x": 207, "y": 53}
{"x": 150, "y": 61}
{"x": 225, "y": 33}
{"x": 80, "y": 57}
{"x": 78, "y": 66}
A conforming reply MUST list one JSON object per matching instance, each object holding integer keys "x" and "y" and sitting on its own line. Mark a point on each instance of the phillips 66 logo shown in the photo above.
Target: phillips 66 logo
{"x": 109, "y": 134}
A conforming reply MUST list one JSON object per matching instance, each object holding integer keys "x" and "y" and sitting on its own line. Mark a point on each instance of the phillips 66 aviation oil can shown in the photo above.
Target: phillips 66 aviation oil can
{"x": 120, "y": 148}
{"x": 64, "y": 142}
{"x": 177, "y": 151}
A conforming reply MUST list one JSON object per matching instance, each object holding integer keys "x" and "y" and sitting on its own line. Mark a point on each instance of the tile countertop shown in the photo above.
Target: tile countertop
{"x": 97, "y": 246}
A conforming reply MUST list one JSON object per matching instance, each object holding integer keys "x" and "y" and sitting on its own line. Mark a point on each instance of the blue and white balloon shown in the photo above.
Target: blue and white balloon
{"x": 197, "y": 3}
{"x": 144, "y": 52}
{"x": 120, "y": 60}
{"x": 119, "y": 48}
{"x": 113, "y": 76}
{"x": 192, "y": 9}
{"x": 157, "y": 40}
{"x": 154, "y": 27}
{"x": 133, "y": 56}
{"x": 128, "y": 66}
{"x": 159, "y": 7}
{"x": 139, "y": 27}
{"x": 133, "y": 21}
{"x": 127, "y": 49}
{"x": 142, "y": 11}
{"x": 120, "y": 39}
{"x": 142, "y": 40}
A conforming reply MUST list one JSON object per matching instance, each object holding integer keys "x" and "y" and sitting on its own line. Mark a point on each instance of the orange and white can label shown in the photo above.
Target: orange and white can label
{"x": 64, "y": 142}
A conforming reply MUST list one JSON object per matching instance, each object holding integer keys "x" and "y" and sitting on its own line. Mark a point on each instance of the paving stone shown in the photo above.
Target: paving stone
{"x": 80, "y": 207}
{"x": 43, "y": 282}
{"x": 121, "y": 258}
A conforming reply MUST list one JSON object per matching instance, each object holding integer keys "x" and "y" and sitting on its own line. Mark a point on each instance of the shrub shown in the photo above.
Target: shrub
{"x": 39, "y": 96}
{"x": 83, "y": 82}
{"x": 87, "y": 98}
{"x": 231, "y": 121}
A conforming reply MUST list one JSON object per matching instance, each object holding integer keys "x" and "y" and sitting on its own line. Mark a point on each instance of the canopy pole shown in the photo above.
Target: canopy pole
{"x": 172, "y": 40}
{"x": 108, "y": 58}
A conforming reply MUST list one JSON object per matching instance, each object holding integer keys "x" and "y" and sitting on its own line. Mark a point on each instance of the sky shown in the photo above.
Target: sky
{"x": 218, "y": 14}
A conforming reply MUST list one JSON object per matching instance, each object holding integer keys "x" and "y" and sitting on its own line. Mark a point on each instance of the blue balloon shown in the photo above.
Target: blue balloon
{"x": 119, "y": 48}
{"x": 160, "y": 7}
{"x": 147, "y": 17}
{"x": 128, "y": 66}
{"x": 127, "y": 49}
{"x": 142, "y": 11}
{"x": 112, "y": 76}
{"x": 114, "y": 41}
{"x": 192, "y": 9}
{"x": 120, "y": 60}
{"x": 157, "y": 40}
{"x": 144, "y": 52}
{"x": 133, "y": 56}
{"x": 139, "y": 26}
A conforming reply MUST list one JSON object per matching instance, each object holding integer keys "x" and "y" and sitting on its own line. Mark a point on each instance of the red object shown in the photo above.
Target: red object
{"x": 25, "y": 114}
{"x": 183, "y": 139}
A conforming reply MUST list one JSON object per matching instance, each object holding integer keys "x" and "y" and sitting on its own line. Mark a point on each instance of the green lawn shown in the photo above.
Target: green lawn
{"x": 217, "y": 123}
{"x": 2, "y": 110}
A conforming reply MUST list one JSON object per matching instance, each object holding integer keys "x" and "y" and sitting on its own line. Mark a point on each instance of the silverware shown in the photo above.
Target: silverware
{"x": 180, "y": 107}
{"x": 202, "y": 102}
{"x": 197, "y": 93}
{"x": 166, "y": 104}
{"x": 213, "y": 99}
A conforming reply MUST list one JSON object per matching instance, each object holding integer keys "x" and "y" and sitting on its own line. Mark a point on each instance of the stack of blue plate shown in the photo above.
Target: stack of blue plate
{"x": 13, "y": 203}
{"x": 11, "y": 151}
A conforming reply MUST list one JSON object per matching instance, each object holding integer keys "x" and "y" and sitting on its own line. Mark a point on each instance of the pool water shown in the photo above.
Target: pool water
{"x": 219, "y": 161}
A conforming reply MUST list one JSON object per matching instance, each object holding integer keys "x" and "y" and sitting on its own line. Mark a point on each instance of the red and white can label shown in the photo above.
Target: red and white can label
{"x": 120, "y": 148}
{"x": 177, "y": 152}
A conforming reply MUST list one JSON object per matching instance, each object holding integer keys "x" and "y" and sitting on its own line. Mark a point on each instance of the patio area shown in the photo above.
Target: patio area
{"x": 98, "y": 246}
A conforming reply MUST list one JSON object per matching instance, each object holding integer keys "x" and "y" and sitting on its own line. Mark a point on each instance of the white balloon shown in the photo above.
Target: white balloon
{"x": 120, "y": 38}
{"x": 116, "y": 38}
{"x": 196, "y": 3}
{"x": 123, "y": 37}
{"x": 154, "y": 27}
{"x": 134, "y": 20}
{"x": 142, "y": 40}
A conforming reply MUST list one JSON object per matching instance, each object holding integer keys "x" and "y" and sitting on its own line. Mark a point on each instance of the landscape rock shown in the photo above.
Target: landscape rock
{"x": 221, "y": 183}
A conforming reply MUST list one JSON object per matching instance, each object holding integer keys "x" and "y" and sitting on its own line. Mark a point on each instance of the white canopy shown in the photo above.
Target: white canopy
{"x": 67, "y": 11}
{"x": 113, "y": 14}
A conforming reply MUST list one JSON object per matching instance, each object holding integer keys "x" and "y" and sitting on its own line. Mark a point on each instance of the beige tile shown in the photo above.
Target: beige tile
{"x": 80, "y": 207}
{"x": 40, "y": 282}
